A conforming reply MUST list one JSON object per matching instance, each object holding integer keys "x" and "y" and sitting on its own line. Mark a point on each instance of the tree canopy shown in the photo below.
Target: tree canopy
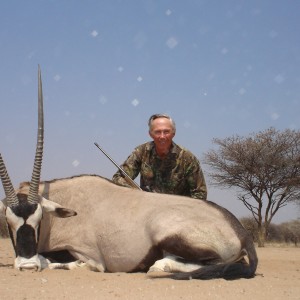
{"x": 264, "y": 166}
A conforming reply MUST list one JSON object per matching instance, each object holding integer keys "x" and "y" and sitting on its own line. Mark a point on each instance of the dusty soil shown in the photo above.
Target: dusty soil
{"x": 278, "y": 278}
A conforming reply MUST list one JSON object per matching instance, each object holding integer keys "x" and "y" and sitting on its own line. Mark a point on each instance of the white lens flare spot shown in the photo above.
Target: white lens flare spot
{"x": 57, "y": 77}
{"x": 75, "y": 163}
{"x": 256, "y": 12}
{"x": 172, "y": 42}
{"x": 103, "y": 99}
{"x": 279, "y": 79}
{"x": 139, "y": 79}
{"x": 168, "y": 12}
{"x": 211, "y": 76}
{"x": 274, "y": 116}
{"x": 249, "y": 68}
{"x": 242, "y": 91}
{"x": 135, "y": 102}
{"x": 94, "y": 33}
{"x": 140, "y": 40}
{"x": 273, "y": 34}
{"x": 120, "y": 69}
{"x": 31, "y": 55}
{"x": 224, "y": 51}
{"x": 186, "y": 124}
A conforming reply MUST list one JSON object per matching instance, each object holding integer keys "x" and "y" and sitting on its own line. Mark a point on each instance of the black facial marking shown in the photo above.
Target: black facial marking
{"x": 26, "y": 243}
{"x": 24, "y": 209}
{"x": 12, "y": 239}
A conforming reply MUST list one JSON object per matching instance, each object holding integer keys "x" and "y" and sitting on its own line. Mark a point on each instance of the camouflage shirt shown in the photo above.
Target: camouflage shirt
{"x": 178, "y": 173}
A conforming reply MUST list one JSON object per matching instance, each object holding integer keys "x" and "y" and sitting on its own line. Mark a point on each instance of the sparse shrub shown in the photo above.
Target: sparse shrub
{"x": 291, "y": 232}
{"x": 275, "y": 234}
{"x": 288, "y": 232}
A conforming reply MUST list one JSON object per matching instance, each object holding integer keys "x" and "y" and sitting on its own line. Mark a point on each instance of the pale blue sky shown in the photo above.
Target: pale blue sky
{"x": 219, "y": 68}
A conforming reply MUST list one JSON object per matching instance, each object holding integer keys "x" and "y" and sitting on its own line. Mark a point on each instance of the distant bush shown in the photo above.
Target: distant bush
{"x": 291, "y": 231}
{"x": 288, "y": 232}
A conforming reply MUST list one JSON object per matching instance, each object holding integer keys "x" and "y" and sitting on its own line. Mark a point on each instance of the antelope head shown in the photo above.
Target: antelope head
{"x": 24, "y": 212}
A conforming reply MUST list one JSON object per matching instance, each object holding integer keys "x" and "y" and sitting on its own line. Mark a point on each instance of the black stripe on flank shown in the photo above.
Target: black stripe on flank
{"x": 61, "y": 256}
{"x": 178, "y": 246}
{"x": 153, "y": 255}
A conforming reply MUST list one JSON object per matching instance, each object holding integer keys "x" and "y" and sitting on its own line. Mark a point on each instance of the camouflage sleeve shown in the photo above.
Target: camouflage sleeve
{"x": 131, "y": 166}
{"x": 196, "y": 180}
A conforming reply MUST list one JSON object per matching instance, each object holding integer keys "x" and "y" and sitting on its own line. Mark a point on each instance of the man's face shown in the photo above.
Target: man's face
{"x": 162, "y": 133}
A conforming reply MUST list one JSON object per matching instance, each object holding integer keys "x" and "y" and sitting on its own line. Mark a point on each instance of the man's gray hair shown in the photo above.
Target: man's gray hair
{"x": 156, "y": 116}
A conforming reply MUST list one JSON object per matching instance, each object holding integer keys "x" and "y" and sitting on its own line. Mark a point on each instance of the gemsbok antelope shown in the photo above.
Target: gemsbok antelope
{"x": 118, "y": 229}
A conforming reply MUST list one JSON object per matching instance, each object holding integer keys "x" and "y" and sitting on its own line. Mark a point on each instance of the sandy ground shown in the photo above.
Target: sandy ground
{"x": 278, "y": 278}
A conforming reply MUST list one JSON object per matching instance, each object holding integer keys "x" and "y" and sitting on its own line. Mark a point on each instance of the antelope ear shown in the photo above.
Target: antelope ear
{"x": 56, "y": 209}
{"x": 3, "y": 206}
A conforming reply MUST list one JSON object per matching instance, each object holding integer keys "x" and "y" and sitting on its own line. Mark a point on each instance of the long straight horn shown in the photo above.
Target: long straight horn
{"x": 36, "y": 174}
{"x": 10, "y": 193}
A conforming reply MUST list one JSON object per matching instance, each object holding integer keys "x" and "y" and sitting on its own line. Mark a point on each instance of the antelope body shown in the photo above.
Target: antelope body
{"x": 118, "y": 229}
